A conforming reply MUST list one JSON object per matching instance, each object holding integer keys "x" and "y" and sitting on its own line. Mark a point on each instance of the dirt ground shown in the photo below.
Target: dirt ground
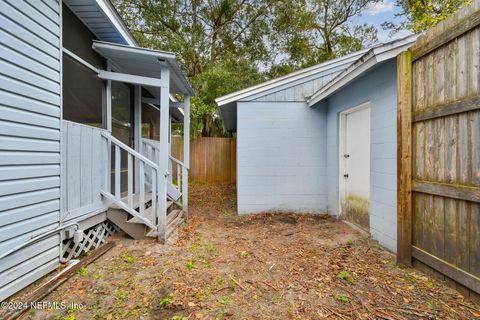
{"x": 280, "y": 266}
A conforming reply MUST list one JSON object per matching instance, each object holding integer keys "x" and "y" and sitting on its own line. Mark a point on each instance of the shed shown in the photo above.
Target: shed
{"x": 322, "y": 140}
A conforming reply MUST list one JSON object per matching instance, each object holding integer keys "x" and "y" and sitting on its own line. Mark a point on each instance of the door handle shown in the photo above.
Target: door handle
{"x": 345, "y": 175}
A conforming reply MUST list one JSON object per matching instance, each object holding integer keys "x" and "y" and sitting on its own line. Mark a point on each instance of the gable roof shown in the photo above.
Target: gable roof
{"x": 372, "y": 57}
{"x": 271, "y": 85}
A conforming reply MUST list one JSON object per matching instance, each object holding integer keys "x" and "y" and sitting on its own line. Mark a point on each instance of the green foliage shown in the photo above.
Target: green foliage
{"x": 167, "y": 300}
{"x": 422, "y": 15}
{"x": 127, "y": 258}
{"x": 344, "y": 275}
{"x": 343, "y": 298}
{"x": 228, "y": 45}
{"x": 190, "y": 264}
{"x": 83, "y": 272}
{"x": 179, "y": 318}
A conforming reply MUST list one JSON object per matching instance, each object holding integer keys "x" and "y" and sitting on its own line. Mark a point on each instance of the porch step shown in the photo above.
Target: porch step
{"x": 175, "y": 220}
{"x": 149, "y": 214}
{"x": 135, "y": 230}
{"x": 135, "y": 200}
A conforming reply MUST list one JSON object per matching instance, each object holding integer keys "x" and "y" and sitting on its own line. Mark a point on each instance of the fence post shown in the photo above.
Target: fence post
{"x": 186, "y": 153}
{"x": 404, "y": 158}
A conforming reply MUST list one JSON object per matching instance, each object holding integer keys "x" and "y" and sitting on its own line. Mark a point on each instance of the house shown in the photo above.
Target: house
{"x": 322, "y": 139}
{"x": 84, "y": 136}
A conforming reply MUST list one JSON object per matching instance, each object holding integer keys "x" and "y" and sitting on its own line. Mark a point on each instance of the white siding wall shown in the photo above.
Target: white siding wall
{"x": 29, "y": 139}
{"x": 378, "y": 87}
{"x": 280, "y": 157}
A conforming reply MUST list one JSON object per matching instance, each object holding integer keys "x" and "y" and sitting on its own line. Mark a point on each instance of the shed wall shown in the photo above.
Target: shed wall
{"x": 281, "y": 159}
{"x": 378, "y": 87}
{"x": 29, "y": 139}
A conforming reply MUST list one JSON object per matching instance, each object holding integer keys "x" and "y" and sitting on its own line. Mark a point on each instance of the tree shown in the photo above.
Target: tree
{"x": 423, "y": 14}
{"x": 227, "y": 45}
{"x": 319, "y": 30}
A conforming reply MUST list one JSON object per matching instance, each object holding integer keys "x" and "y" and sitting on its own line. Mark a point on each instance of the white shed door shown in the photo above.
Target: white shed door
{"x": 356, "y": 155}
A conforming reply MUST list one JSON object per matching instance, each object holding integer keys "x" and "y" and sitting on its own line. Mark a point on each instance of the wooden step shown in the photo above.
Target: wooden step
{"x": 148, "y": 213}
{"x": 174, "y": 221}
{"x": 135, "y": 200}
{"x": 119, "y": 217}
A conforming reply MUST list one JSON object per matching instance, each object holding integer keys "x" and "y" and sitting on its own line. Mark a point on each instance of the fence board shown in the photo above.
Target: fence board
{"x": 439, "y": 168}
{"x": 212, "y": 159}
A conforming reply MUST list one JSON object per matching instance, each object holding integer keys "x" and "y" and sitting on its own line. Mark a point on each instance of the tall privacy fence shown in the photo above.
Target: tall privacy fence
{"x": 212, "y": 159}
{"x": 439, "y": 152}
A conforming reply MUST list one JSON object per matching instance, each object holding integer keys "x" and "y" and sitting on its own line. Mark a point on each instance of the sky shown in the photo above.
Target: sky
{"x": 377, "y": 14}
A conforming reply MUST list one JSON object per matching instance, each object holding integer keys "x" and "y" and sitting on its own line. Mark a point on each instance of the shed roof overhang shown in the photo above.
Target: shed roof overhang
{"x": 365, "y": 63}
{"x": 143, "y": 66}
{"x": 102, "y": 19}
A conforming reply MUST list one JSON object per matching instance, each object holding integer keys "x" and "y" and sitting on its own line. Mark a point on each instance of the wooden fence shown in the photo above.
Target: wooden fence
{"x": 211, "y": 159}
{"x": 439, "y": 152}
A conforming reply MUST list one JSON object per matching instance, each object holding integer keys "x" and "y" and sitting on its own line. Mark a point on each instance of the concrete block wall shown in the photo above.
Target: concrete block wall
{"x": 281, "y": 159}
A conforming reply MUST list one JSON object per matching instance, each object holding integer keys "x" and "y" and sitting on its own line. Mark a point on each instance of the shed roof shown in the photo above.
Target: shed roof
{"x": 351, "y": 66}
{"x": 371, "y": 58}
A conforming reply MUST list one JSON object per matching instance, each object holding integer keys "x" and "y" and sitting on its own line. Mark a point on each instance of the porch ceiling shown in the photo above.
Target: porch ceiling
{"x": 144, "y": 62}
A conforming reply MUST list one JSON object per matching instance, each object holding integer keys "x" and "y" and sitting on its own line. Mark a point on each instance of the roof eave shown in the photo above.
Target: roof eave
{"x": 367, "y": 61}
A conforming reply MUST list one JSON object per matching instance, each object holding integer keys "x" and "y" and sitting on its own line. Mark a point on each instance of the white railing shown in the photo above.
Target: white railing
{"x": 132, "y": 201}
{"x": 177, "y": 169}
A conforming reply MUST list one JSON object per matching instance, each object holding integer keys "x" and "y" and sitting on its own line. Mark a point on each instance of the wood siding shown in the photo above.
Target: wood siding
{"x": 84, "y": 166}
{"x": 439, "y": 117}
{"x": 211, "y": 159}
{"x": 29, "y": 140}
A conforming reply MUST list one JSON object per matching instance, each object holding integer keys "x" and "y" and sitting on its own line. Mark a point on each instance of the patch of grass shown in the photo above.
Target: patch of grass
{"x": 209, "y": 247}
{"x": 218, "y": 282}
{"x": 83, "y": 272}
{"x": 167, "y": 300}
{"x": 122, "y": 295}
{"x": 224, "y": 300}
{"x": 277, "y": 298}
{"x": 343, "y": 298}
{"x": 344, "y": 275}
{"x": 226, "y": 214}
{"x": 127, "y": 258}
{"x": 203, "y": 295}
{"x": 190, "y": 264}
{"x": 179, "y": 318}
{"x": 351, "y": 243}
{"x": 244, "y": 254}
{"x": 429, "y": 306}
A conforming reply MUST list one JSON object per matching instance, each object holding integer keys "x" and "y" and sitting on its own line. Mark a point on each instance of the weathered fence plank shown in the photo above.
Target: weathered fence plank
{"x": 212, "y": 159}
{"x": 439, "y": 152}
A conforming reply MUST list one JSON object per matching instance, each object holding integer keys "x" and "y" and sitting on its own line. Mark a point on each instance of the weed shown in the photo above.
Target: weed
{"x": 224, "y": 300}
{"x": 344, "y": 275}
{"x": 179, "y": 318}
{"x": 218, "y": 282}
{"x": 69, "y": 317}
{"x": 350, "y": 242}
{"x": 209, "y": 247}
{"x": 226, "y": 214}
{"x": 83, "y": 272}
{"x": 343, "y": 298}
{"x": 167, "y": 300}
{"x": 277, "y": 298}
{"x": 244, "y": 254}
{"x": 202, "y": 295}
{"x": 127, "y": 258}
{"x": 429, "y": 306}
{"x": 190, "y": 264}
{"x": 122, "y": 296}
